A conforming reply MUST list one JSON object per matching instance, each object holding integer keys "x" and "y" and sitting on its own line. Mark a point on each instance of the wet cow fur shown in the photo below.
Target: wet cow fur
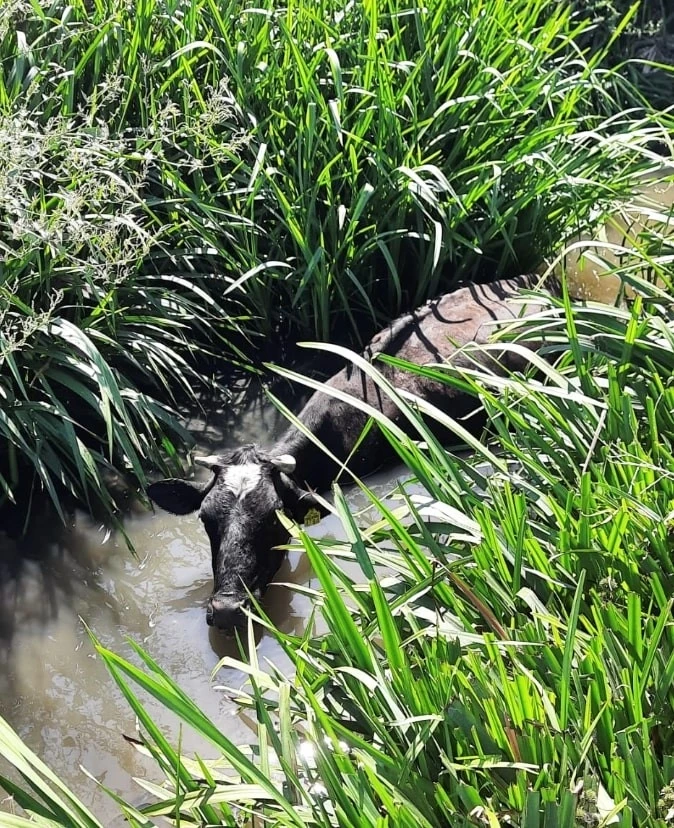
{"x": 238, "y": 504}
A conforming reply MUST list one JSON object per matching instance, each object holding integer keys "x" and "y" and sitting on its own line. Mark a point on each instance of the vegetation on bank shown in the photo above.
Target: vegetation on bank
{"x": 188, "y": 183}
{"x": 186, "y": 179}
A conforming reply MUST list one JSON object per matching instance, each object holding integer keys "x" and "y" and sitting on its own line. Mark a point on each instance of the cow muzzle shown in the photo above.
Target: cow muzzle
{"x": 226, "y": 612}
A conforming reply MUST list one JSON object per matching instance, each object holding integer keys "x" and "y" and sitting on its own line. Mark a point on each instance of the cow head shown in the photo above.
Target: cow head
{"x": 238, "y": 508}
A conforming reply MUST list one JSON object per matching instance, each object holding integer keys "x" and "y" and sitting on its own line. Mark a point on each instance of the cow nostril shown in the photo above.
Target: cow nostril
{"x": 225, "y": 613}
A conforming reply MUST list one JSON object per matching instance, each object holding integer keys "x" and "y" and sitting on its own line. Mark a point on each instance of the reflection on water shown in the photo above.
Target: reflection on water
{"x": 58, "y": 695}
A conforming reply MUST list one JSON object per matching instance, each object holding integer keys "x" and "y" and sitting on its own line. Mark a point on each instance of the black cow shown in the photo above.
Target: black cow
{"x": 238, "y": 505}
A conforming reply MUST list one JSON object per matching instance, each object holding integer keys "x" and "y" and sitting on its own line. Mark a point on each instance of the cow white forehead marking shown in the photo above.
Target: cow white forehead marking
{"x": 240, "y": 480}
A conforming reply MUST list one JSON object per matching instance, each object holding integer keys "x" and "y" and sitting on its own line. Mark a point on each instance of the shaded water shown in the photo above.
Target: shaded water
{"x": 53, "y": 689}
{"x": 58, "y": 695}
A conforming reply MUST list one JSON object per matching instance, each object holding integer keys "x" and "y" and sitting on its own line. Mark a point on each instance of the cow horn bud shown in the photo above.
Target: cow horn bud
{"x": 284, "y": 462}
{"x": 211, "y": 462}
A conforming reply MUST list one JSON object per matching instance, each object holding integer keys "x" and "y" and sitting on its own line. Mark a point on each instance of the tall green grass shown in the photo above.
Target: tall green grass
{"x": 184, "y": 181}
{"x": 93, "y": 350}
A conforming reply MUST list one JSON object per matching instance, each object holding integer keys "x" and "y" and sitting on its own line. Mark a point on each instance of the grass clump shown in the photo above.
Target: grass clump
{"x": 100, "y": 340}
{"x": 398, "y": 149}
{"x": 94, "y": 349}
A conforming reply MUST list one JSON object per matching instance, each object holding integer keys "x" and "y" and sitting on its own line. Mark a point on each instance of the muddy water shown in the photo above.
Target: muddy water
{"x": 59, "y": 696}
{"x": 590, "y": 259}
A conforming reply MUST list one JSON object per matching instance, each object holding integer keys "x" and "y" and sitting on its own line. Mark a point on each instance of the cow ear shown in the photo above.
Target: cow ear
{"x": 180, "y": 497}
